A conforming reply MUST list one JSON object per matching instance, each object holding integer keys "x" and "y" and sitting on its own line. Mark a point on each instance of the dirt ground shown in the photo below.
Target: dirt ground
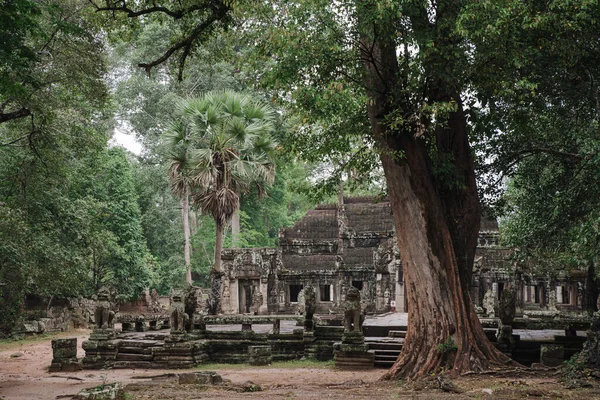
{"x": 23, "y": 375}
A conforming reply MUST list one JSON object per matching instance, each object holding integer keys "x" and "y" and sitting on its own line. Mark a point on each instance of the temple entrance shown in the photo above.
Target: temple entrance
{"x": 246, "y": 291}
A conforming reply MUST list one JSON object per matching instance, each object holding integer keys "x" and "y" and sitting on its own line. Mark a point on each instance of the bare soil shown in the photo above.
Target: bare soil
{"x": 23, "y": 375}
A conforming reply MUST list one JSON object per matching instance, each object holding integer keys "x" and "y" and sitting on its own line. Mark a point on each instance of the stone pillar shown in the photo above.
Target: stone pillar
{"x": 234, "y": 291}
{"x": 64, "y": 355}
{"x": 226, "y": 296}
{"x": 552, "y": 297}
{"x": 379, "y": 301}
{"x": 519, "y": 292}
{"x": 264, "y": 290}
{"x": 400, "y": 291}
{"x": 559, "y": 295}
{"x": 259, "y": 355}
{"x": 277, "y": 326}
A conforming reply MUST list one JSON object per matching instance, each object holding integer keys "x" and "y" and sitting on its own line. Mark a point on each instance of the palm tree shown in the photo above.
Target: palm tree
{"x": 181, "y": 179}
{"x": 232, "y": 146}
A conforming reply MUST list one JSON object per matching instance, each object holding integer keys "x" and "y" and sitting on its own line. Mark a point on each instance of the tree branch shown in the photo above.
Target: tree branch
{"x": 131, "y": 13}
{"x": 14, "y": 141}
{"x": 9, "y": 116}
{"x": 218, "y": 13}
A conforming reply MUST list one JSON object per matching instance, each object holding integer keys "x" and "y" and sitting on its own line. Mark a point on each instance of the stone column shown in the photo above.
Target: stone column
{"x": 234, "y": 293}
{"x": 400, "y": 297}
{"x": 264, "y": 290}
{"x": 379, "y": 305}
{"x": 64, "y": 355}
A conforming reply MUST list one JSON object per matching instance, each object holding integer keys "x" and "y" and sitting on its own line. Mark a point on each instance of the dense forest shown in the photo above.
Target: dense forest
{"x": 249, "y": 113}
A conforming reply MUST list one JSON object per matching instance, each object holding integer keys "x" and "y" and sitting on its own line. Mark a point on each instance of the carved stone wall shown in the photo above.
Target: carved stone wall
{"x": 333, "y": 248}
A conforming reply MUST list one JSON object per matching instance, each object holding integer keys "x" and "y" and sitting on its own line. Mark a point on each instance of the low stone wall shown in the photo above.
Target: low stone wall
{"x": 61, "y": 315}
{"x": 186, "y": 350}
{"x": 108, "y": 348}
{"x": 543, "y": 321}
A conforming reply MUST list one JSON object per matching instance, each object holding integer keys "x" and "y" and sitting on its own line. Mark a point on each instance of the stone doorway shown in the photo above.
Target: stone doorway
{"x": 247, "y": 287}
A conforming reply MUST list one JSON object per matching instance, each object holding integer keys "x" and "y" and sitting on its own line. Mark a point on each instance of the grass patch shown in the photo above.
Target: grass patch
{"x": 7, "y": 344}
{"x": 308, "y": 363}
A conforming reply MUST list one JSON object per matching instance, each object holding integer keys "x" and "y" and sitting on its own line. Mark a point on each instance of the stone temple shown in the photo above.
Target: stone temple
{"x": 333, "y": 248}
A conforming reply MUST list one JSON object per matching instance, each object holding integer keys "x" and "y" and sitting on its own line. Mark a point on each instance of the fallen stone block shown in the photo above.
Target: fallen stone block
{"x": 200, "y": 378}
{"x": 113, "y": 391}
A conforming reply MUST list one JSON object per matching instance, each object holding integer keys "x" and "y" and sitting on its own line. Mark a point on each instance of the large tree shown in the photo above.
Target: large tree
{"x": 409, "y": 62}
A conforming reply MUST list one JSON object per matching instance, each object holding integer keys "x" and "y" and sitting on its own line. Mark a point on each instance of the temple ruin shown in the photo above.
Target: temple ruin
{"x": 336, "y": 247}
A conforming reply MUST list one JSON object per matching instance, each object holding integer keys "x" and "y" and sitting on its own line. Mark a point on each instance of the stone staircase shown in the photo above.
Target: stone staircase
{"x": 386, "y": 348}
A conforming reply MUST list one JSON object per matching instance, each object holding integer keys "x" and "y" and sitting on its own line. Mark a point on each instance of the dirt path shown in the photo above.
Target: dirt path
{"x": 26, "y": 376}
{"x": 23, "y": 375}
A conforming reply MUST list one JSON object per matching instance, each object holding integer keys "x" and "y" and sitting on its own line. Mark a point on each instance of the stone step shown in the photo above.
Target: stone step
{"x": 380, "y": 330}
{"x": 384, "y": 346}
{"x": 386, "y": 352}
{"x": 397, "y": 334}
{"x": 134, "y": 357}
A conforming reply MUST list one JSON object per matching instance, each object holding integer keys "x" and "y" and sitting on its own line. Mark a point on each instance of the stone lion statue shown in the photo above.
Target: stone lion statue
{"x": 104, "y": 315}
{"x": 179, "y": 318}
{"x": 352, "y": 311}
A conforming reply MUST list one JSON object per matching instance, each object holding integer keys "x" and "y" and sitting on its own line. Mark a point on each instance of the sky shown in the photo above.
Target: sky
{"x": 127, "y": 141}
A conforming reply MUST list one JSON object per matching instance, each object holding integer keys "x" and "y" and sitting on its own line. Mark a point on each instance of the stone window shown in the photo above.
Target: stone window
{"x": 566, "y": 296}
{"x": 325, "y": 293}
{"x": 532, "y": 294}
{"x": 358, "y": 284}
{"x": 294, "y": 292}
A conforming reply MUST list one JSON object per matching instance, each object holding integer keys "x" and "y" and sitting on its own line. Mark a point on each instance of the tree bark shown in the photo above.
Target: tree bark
{"x": 235, "y": 228}
{"x": 185, "y": 211}
{"x": 218, "y": 247}
{"x": 214, "y": 299}
{"x": 436, "y": 221}
{"x": 591, "y": 289}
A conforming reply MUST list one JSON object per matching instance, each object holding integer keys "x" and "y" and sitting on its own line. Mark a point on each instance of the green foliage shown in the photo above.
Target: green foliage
{"x": 574, "y": 373}
{"x": 125, "y": 266}
{"x": 303, "y": 54}
{"x": 539, "y": 126}
{"x": 447, "y": 347}
{"x": 14, "y": 246}
{"x": 161, "y": 223}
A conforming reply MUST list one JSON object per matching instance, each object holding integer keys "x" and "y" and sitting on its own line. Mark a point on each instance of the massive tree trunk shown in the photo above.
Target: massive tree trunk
{"x": 436, "y": 216}
{"x": 216, "y": 275}
{"x": 185, "y": 211}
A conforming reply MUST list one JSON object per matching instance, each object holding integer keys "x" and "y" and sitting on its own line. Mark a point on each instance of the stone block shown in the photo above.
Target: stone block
{"x": 113, "y": 391}
{"x": 552, "y": 351}
{"x": 32, "y": 327}
{"x": 62, "y": 353}
{"x": 353, "y": 338}
{"x": 65, "y": 366}
{"x": 103, "y": 334}
{"x": 200, "y": 378}
{"x": 552, "y": 355}
{"x": 61, "y": 343}
{"x": 246, "y": 327}
{"x": 259, "y": 355}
